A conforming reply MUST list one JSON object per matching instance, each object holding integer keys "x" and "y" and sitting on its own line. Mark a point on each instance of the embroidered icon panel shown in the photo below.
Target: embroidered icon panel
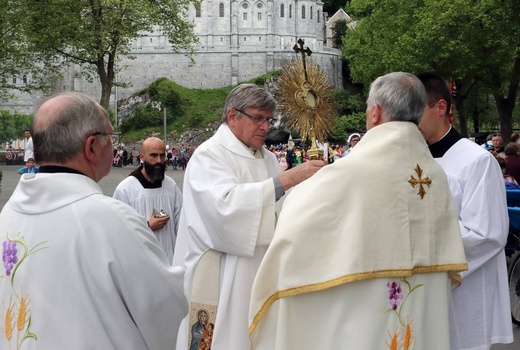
{"x": 201, "y": 329}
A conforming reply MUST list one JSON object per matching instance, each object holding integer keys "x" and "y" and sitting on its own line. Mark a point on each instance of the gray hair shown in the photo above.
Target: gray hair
{"x": 60, "y": 134}
{"x": 401, "y": 96}
{"x": 248, "y": 96}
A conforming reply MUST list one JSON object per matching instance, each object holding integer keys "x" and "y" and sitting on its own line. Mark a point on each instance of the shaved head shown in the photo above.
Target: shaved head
{"x": 152, "y": 143}
{"x": 153, "y": 156}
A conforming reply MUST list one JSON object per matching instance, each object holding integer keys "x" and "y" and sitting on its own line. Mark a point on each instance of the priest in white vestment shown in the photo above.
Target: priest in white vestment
{"x": 371, "y": 259}
{"x": 153, "y": 194}
{"x": 81, "y": 270}
{"x": 231, "y": 197}
{"x": 481, "y": 309}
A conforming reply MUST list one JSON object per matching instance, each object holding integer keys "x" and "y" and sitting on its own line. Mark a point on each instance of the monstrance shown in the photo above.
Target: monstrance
{"x": 305, "y": 98}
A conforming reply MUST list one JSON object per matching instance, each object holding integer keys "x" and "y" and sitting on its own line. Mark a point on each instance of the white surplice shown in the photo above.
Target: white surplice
{"x": 229, "y": 206}
{"x": 481, "y": 311}
{"x": 374, "y": 230}
{"x": 168, "y": 197}
{"x": 88, "y": 270}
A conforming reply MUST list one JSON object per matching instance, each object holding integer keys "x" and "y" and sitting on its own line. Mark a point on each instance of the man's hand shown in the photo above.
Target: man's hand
{"x": 299, "y": 173}
{"x": 157, "y": 223}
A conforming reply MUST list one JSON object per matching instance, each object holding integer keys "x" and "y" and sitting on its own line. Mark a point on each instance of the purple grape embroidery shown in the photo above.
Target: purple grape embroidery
{"x": 395, "y": 294}
{"x": 17, "y": 317}
{"x": 9, "y": 256}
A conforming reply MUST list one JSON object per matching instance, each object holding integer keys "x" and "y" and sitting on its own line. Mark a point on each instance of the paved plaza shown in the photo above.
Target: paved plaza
{"x": 108, "y": 185}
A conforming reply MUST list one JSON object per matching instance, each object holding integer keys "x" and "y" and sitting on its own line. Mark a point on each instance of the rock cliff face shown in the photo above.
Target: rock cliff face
{"x": 127, "y": 106}
{"x": 195, "y": 136}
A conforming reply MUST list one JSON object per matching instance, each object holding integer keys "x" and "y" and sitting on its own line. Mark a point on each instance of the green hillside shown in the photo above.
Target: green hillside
{"x": 185, "y": 108}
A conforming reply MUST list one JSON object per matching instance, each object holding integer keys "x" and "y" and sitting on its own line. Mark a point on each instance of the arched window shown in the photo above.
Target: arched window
{"x": 24, "y": 79}
{"x": 318, "y": 16}
{"x": 303, "y": 12}
{"x": 310, "y": 13}
{"x": 290, "y": 11}
{"x": 221, "y": 10}
{"x": 282, "y": 10}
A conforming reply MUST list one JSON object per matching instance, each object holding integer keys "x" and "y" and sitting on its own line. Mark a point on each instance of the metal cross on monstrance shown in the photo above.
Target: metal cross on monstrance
{"x": 305, "y": 98}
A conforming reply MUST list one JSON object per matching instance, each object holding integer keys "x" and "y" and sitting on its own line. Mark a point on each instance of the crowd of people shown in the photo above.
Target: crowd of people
{"x": 264, "y": 248}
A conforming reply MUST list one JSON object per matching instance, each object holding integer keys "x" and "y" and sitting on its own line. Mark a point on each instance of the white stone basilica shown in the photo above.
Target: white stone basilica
{"x": 238, "y": 40}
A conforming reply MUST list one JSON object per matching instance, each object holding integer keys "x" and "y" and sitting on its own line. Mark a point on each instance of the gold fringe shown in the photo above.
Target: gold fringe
{"x": 355, "y": 277}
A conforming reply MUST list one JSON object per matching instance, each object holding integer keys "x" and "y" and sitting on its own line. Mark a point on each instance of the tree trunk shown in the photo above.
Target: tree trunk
{"x": 505, "y": 105}
{"x": 458, "y": 99}
{"x": 106, "y": 77}
{"x": 505, "y": 108}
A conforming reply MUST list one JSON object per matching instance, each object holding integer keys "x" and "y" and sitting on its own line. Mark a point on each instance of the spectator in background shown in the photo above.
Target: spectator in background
{"x": 512, "y": 153}
{"x": 29, "y": 148}
{"x": 29, "y": 168}
{"x": 510, "y": 182}
{"x": 498, "y": 147}
{"x": 352, "y": 141}
{"x": 488, "y": 145}
{"x": 135, "y": 157}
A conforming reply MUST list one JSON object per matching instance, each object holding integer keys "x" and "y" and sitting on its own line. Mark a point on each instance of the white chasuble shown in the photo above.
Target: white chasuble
{"x": 369, "y": 262}
{"x": 228, "y": 206}
{"x": 89, "y": 273}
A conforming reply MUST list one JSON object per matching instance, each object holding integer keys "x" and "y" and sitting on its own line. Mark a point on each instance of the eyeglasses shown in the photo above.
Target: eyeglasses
{"x": 257, "y": 120}
{"x": 430, "y": 105}
{"x": 102, "y": 133}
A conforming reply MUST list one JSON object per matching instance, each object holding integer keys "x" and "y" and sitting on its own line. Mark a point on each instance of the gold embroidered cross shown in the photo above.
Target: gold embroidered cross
{"x": 426, "y": 181}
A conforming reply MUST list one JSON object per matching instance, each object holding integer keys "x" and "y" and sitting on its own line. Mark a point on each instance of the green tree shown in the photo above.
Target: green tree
{"x": 12, "y": 125}
{"x": 331, "y": 6}
{"x": 346, "y": 125}
{"x": 95, "y": 33}
{"x": 339, "y": 30}
{"x": 6, "y": 126}
{"x": 16, "y": 58}
{"x": 474, "y": 42}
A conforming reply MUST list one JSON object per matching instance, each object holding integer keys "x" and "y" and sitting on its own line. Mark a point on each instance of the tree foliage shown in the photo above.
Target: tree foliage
{"x": 17, "y": 59}
{"x": 331, "y": 6}
{"x": 352, "y": 116}
{"x": 12, "y": 125}
{"x": 95, "y": 33}
{"x": 474, "y": 42}
{"x": 339, "y": 30}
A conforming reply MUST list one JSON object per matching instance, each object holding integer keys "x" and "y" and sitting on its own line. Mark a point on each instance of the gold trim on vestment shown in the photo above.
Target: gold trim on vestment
{"x": 355, "y": 277}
